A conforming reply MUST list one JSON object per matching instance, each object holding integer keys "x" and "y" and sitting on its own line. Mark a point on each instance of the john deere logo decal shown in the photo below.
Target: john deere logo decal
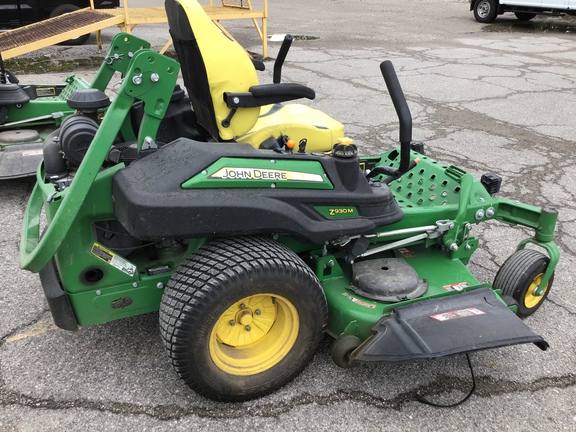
{"x": 241, "y": 173}
{"x": 228, "y": 173}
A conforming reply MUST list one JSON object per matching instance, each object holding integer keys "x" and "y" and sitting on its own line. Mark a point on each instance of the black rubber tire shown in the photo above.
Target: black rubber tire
{"x": 342, "y": 347}
{"x": 516, "y": 276}
{"x": 209, "y": 284}
{"x": 61, "y": 10}
{"x": 525, "y": 16}
{"x": 485, "y": 11}
{"x": 510, "y": 301}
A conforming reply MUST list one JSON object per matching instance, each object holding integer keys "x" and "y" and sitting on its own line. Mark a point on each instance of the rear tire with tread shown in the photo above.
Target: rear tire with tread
{"x": 222, "y": 289}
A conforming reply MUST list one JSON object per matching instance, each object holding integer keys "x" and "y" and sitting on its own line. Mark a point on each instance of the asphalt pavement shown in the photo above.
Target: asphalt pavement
{"x": 488, "y": 97}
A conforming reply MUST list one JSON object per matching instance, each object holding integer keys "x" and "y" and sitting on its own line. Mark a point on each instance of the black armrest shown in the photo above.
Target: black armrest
{"x": 267, "y": 94}
{"x": 291, "y": 90}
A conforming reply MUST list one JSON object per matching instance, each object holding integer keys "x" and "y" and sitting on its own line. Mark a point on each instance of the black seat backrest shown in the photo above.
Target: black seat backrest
{"x": 211, "y": 64}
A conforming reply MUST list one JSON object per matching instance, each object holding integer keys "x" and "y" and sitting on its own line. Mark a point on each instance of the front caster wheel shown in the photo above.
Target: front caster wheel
{"x": 342, "y": 348}
{"x": 520, "y": 277}
{"x": 241, "y": 317}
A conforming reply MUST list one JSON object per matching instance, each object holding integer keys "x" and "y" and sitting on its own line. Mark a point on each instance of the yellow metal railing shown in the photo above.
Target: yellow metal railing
{"x": 68, "y": 26}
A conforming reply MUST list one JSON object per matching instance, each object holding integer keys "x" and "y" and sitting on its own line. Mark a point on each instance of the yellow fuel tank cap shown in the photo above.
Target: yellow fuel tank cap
{"x": 345, "y": 141}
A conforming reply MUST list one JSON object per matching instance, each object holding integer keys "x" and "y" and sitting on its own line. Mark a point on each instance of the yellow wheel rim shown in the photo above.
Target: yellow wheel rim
{"x": 254, "y": 334}
{"x": 531, "y": 299}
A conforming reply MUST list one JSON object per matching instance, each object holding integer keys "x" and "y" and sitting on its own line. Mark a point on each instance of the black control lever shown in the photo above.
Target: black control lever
{"x": 3, "y": 77}
{"x": 403, "y": 112}
{"x": 302, "y": 145}
{"x": 391, "y": 173}
{"x": 281, "y": 57}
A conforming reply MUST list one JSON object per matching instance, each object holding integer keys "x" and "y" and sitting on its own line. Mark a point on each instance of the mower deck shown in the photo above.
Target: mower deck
{"x": 20, "y": 160}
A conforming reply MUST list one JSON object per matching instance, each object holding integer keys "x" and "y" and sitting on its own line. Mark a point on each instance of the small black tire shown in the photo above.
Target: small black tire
{"x": 241, "y": 317}
{"x": 342, "y": 348}
{"x": 525, "y": 16}
{"x": 485, "y": 11}
{"x": 510, "y": 301}
{"x": 519, "y": 277}
{"x": 67, "y": 8}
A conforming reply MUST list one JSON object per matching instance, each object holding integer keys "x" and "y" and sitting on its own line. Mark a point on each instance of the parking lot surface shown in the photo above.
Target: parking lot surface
{"x": 490, "y": 98}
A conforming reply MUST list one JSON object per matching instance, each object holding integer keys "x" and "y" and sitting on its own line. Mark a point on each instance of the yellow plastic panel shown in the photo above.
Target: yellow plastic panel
{"x": 297, "y": 122}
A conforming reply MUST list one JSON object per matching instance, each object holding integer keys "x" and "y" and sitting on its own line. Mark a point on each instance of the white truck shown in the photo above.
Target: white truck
{"x": 485, "y": 11}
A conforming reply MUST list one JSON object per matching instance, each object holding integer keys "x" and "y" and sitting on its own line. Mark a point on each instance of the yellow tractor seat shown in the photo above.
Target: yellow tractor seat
{"x": 226, "y": 96}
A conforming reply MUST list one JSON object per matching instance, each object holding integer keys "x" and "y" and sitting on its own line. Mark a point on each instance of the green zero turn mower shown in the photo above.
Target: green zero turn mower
{"x": 252, "y": 241}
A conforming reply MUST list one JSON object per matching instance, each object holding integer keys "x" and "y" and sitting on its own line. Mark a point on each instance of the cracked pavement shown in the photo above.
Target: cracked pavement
{"x": 492, "y": 97}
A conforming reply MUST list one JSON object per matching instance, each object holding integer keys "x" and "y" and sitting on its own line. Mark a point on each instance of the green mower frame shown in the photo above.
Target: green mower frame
{"x": 252, "y": 254}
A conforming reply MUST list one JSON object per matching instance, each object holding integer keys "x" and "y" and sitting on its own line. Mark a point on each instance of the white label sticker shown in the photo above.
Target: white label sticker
{"x": 462, "y": 313}
{"x": 31, "y": 152}
{"x": 358, "y": 301}
{"x": 456, "y": 286}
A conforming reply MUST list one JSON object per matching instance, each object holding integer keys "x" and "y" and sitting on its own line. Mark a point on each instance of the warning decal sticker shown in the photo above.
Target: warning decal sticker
{"x": 462, "y": 313}
{"x": 406, "y": 253}
{"x": 113, "y": 259}
{"x": 358, "y": 301}
{"x": 45, "y": 91}
{"x": 456, "y": 286}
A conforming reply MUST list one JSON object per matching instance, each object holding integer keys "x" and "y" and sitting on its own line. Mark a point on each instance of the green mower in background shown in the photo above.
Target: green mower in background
{"x": 28, "y": 113}
{"x": 251, "y": 251}
{"x": 31, "y": 112}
